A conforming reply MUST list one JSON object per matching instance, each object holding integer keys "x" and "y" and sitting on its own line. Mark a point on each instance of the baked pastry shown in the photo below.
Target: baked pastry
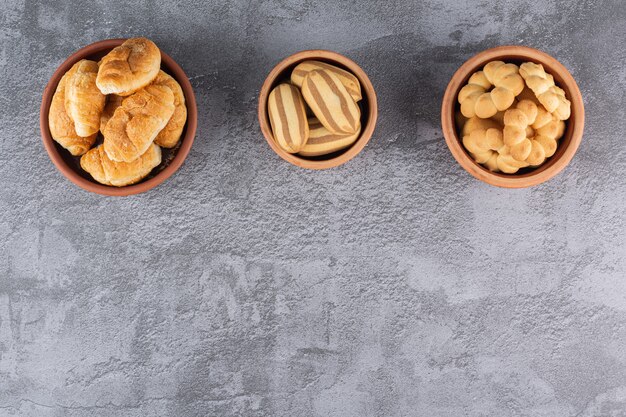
{"x": 135, "y": 124}
{"x": 516, "y": 133}
{"x": 478, "y": 123}
{"x": 62, "y": 127}
{"x": 83, "y": 100}
{"x": 113, "y": 102}
{"x": 108, "y": 172}
{"x": 285, "y": 107}
{"x": 476, "y": 98}
{"x": 331, "y": 103}
{"x": 170, "y": 135}
{"x": 483, "y": 144}
{"x": 129, "y": 67}
{"x": 542, "y": 85}
{"x": 349, "y": 80}
{"x": 548, "y": 130}
{"x": 322, "y": 142}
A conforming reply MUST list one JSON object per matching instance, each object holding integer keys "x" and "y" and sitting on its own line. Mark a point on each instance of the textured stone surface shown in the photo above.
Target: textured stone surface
{"x": 396, "y": 285}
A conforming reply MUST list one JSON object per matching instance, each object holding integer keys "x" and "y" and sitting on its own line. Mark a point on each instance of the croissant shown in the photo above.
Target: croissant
{"x": 108, "y": 172}
{"x": 169, "y": 136}
{"x": 83, "y": 101}
{"x": 62, "y": 127}
{"x": 135, "y": 124}
{"x": 476, "y": 100}
{"x": 129, "y": 67}
{"x": 542, "y": 85}
{"x": 113, "y": 102}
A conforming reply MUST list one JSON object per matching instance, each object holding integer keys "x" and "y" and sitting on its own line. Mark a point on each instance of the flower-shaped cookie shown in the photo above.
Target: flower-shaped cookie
{"x": 542, "y": 85}
{"x": 478, "y": 98}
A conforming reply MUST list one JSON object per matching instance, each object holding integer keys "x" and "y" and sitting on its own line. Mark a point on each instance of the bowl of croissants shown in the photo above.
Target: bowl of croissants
{"x": 118, "y": 117}
{"x": 513, "y": 116}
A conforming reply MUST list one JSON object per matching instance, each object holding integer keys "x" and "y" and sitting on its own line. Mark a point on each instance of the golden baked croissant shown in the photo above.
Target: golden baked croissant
{"x": 83, "y": 100}
{"x": 136, "y": 123}
{"x": 476, "y": 99}
{"x": 549, "y": 95}
{"x": 62, "y": 127}
{"x": 129, "y": 67}
{"x": 108, "y": 172}
{"x": 113, "y": 102}
{"x": 169, "y": 136}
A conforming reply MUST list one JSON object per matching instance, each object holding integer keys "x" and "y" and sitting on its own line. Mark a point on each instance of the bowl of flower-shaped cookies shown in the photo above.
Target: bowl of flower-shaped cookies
{"x": 118, "y": 117}
{"x": 513, "y": 116}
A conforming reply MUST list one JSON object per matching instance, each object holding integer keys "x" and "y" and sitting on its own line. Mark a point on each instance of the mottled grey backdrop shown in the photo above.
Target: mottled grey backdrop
{"x": 395, "y": 285}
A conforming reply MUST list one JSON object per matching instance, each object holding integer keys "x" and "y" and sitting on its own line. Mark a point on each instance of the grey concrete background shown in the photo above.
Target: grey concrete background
{"x": 396, "y": 285}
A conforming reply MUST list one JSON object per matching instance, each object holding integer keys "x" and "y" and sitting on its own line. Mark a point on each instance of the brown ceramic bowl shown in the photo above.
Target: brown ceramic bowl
{"x": 368, "y": 105}
{"x": 70, "y": 165}
{"x": 568, "y": 144}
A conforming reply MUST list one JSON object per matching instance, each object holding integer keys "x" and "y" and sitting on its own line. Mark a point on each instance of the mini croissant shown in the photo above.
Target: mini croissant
{"x": 476, "y": 100}
{"x": 170, "y": 135}
{"x": 83, "y": 101}
{"x": 108, "y": 172}
{"x": 62, "y": 127}
{"x": 136, "y": 123}
{"x": 129, "y": 67}
{"x": 113, "y": 102}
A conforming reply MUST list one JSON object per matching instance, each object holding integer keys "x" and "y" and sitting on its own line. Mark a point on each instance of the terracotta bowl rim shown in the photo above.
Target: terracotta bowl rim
{"x": 532, "y": 178}
{"x": 50, "y": 145}
{"x": 369, "y": 94}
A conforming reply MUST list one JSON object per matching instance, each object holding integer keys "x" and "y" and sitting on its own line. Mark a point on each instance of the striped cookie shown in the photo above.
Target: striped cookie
{"x": 348, "y": 79}
{"x": 322, "y": 142}
{"x": 288, "y": 118}
{"x": 330, "y": 102}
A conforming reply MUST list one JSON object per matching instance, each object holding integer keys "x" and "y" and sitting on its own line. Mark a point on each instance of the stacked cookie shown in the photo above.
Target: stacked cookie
{"x": 127, "y": 98}
{"x": 512, "y": 117}
{"x": 317, "y": 113}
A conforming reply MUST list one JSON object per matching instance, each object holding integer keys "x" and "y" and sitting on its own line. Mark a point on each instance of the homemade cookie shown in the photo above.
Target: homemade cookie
{"x": 331, "y": 103}
{"x": 288, "y": 118}
{"x": 322, "y": 142}
{"x": 349, "y": 80}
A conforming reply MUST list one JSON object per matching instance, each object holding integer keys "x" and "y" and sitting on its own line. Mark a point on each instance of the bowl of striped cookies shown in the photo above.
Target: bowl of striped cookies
{"x": 118, "y": 117}
{"x": 317, "y": 109}
{"x": 513, "y": 116}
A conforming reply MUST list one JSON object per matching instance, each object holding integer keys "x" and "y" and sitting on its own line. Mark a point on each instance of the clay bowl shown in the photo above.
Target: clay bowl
{"x": 568, "y": 144}
{"x": 70, "y": 165}
{"x": 369, "y": 108}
